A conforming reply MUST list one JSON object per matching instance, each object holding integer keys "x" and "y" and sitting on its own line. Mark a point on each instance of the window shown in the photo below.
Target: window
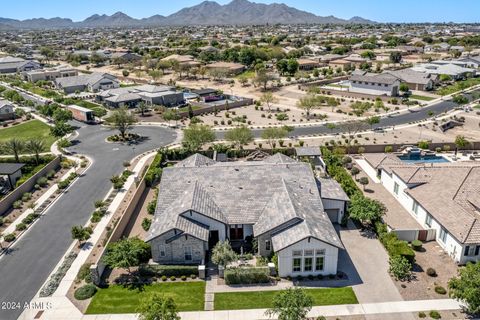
{"x": 395, "y": 188}
{"x": 268, "y": 245}
{"x": 467, "y": 248}
{"x": 161, "y": 249}
{"x": 477, "y": 250}
{"x": 236, "y": 232}
{"x": 415, "y": 207}
{"x": 297, "y": 253}
{"x": 297, "y": 265}
{"x": 188, "y": 254}
{"x": 308, "y": 253}
{"x": 319, "y": 263}
{"x": 428, "y": 221}
{"x": 320, "y": 252}
{"x": 443, "y": 235}
{"x": 307, "y": 264}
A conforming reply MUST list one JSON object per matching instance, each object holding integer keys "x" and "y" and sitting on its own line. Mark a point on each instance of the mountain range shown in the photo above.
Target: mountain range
{"x": 237, "y": 12}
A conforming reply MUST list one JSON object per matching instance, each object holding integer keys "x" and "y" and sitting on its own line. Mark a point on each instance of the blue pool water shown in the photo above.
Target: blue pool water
{"x": 431, "y": 159}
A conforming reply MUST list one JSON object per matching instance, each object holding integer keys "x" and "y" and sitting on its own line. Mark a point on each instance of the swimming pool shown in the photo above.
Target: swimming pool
{"x": 428, "y": 159}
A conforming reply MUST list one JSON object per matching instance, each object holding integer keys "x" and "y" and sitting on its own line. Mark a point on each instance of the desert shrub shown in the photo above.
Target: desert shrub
{"x": 30, "y": 218}
{"x": 247, "y": 275}
{"x": 417, "y": 245}
{"x": 42, "y": 182}
{"x": 431, "y": 272}
{"x": 440, "y": 290}
{"x": 434, "y": 314}
{"x": 9, "y": 237}
{"x": 17, "y": 204}
{"x": 85, "y": 292}
{"x": 422, "y": 314}
{"x": 21, "y": 226}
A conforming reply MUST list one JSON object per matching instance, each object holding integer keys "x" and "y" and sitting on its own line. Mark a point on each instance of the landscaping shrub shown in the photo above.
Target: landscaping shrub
{"x": 17, "y": 204}
{"x": 434, "y": 314}
{"x": 431, "y": 272}
{"x": 160, "y": 271}
{"x": 173, "y": 278}
{"x": 184, "y": 278}
{"x": 247, "y": 275}
{"x": 9, "y": 237}
{"x": 30, "y": 218}
{"x": 42, "y": 182}
{"x": 85, "y": 292}
{"x": 21, "y": 226}
{"x": 164, "y": 278}
{"x": 417, "y": 245}
{"x": 422, "y": 314}
{"x": 154, "y": 171}
{"x": 146, "y": 223}
{"x": 84, "y": 273}
{"x": 396, "y": 247}
{"x": 440, "y": 290}
{"x": 151, "y": 207}
{"x": 400, "y": 268}
{"x": 193, "y": 276}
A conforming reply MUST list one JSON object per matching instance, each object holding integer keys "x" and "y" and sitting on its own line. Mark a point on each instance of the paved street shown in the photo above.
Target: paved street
{"x": 36, "y": 254}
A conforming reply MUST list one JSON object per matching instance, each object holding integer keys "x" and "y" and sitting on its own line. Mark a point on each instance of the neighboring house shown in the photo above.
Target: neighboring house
{"x": 9, "y": 174}
{"x": 414, "y": 79}
{"x": 454, "y": 71}
{"x": 228, "y": 68}
{"x": 183, "y": 60}
{"x": 89, "y": 82}
{"x": 125, "y": 57}
{"x": 443, "y": 197}
{"x": 340, "y": 63}
{"x": 150, "y": 94}
{"x": 50, "y": 74}
{"x": 277, "y": 201}
{"x": 307, "y": 64}
{"x": 17, "y": 65}
{"x": 471, "y": 62}
{"x": 374, "y": 84}
{"x": 6, "y": 110}
{"x": 356, "y": 60}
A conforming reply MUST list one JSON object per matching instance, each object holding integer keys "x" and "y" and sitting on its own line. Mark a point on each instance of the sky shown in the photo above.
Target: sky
{"x": 378, "y": 10}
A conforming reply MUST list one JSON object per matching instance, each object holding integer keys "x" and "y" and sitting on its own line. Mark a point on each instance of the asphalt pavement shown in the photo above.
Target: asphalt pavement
{"x": 34, "y": 256}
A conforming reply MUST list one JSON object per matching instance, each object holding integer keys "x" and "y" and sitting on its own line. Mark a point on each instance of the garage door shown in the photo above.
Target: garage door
{"x": 332, "y": 214}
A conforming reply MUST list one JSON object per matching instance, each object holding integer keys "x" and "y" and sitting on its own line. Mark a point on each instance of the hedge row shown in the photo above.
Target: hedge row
{"x": 247, "y": 275}
{"x": 393, "y": 245}
{"x": 168, "y": 270}
{"x": 154, "y": 171}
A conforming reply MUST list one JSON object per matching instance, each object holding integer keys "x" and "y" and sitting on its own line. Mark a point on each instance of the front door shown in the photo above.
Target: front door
{"x": 422, "y": 235}
{"x": 212, "y": 239}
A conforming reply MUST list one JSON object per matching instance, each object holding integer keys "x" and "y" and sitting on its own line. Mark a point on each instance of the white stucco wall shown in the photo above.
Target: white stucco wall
{"x": 285, "y": 258}
{"x": 372, "y": 89}
{"x": 334, "y": 204}
{"x": 451, "y": 245}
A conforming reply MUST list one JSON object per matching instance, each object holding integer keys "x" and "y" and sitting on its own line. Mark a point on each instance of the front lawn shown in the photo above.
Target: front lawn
{"x": 458, "y": 86}
{"x": 264, "y": 299}
{"x": 419, "y": 97}
{"x": 188, "y": 296}
{"x": 34, "y": 129}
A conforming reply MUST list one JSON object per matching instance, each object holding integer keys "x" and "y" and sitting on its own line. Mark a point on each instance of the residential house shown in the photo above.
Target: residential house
{"x": 307, "y": 64}
{"x": 454, "y": 71}
{"x": 6, "y": 110}
{"x": 88, "y": 82}
{"x": 414, "y": 79}
{"x": 17, "y": 65}
{"x": 50, "y": 74}
{"x": 277, "y": 201}
{"x": 228, "y": 68}
{"x": 340, "y": 63}
{"x": 150, "y": 94}
{"x": 182, "y": 60}
{"x": 441, "y": 196}
{"x": 125, "y": 57}
{"x": 374, "y": 84}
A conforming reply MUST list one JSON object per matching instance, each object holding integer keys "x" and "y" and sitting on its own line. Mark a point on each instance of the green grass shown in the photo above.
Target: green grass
{"x": 419, "y": 97}
{"x": 249, "y": 74}
{"x": 188, "y": 296}
{"x": 27, "y": 131}
{"x": 458, "y": 86}
{"x": 264, "y": 299}
{"x": 185, "y": 109}
{"x": 477, "y": 106}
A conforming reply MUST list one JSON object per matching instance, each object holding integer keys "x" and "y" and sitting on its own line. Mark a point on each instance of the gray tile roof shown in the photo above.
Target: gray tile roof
{"x": 382, "y": 78}
{"x": 331, "y": 189}
{"x": 265, "y": 194}
{"x": 10, "y": 168}
{"x": 308, "y": 151}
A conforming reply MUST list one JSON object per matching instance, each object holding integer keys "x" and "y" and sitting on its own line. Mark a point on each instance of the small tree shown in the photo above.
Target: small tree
{"x": 366, "y": 210}
{"x": 239, "y": 136}
{"x": 60, "y": 129}
{"x": 196, "y": 136}
{"x": 363, "y": 181}
{"x": 122, "y": 120}
{"x": 142, "y": 108}
{"x": 268, "y": 98}
{"x": 461, "y": 142}
{"x": 126, "y": 253}
{"x": 291, "y": 304}
{"x": 156, "y": 306}
{"x": 273, "y": 134}
{"x": 466, "y": 287}
{"x": 373, "y": 120}
{"x": 80, "y": 233}
{"x": 400, "y": 268}
{"x": 222, "y": 254}
{"x": 354, "y": 172}
{"x": 404, "y": 88}
{"x": 170, "y": 115}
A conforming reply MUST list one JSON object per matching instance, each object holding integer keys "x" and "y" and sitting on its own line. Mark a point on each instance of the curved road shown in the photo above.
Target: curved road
{"x": 394, "y": 120}
{"x": 33, "y": 257}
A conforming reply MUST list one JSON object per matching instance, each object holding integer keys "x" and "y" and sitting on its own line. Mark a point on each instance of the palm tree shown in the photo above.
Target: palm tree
{"x": 14, "y": 146}
{"x": 36, "y": 146}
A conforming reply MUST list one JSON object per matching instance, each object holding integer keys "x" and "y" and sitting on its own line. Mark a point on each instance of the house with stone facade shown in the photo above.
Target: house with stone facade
{"x": 277, "y": 201}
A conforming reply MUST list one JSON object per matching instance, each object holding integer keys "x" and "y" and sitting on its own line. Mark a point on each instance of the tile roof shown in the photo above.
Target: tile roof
{"x": 265, "y": 193}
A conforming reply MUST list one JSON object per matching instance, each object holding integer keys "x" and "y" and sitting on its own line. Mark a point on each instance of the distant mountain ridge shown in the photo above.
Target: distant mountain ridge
{"x": 237, "y": 12}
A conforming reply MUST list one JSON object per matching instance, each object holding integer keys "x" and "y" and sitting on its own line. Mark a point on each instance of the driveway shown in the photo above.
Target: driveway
{"x": 26, "y": 267}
